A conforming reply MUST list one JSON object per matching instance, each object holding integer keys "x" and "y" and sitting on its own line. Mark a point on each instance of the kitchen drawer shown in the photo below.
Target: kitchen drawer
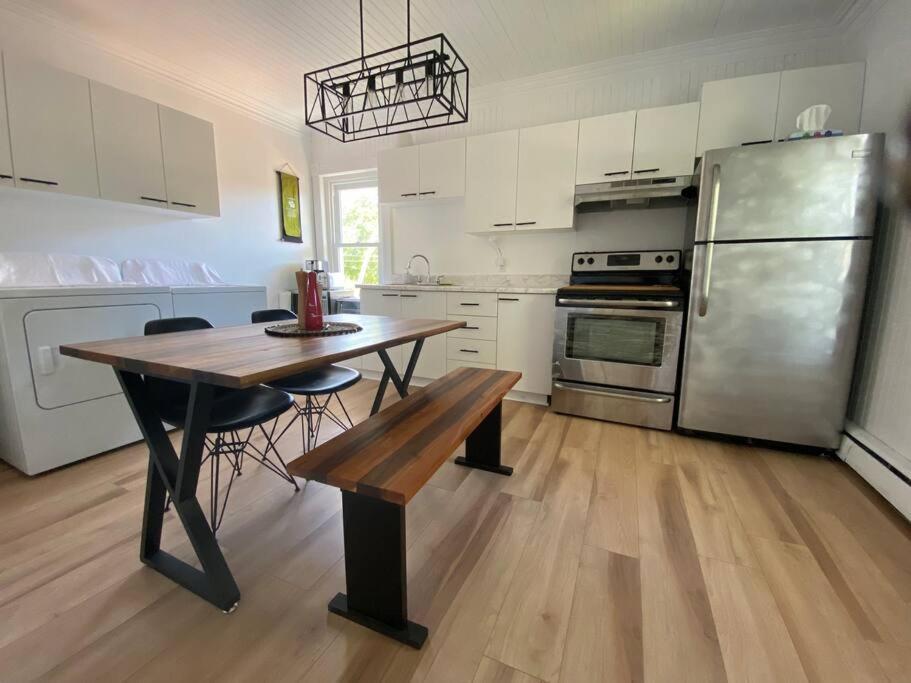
{"x": 471, "y": 303}
{"x": 476, "y": 327}
{"x": 453, "y": 364}
{"x": 472, "y": 350}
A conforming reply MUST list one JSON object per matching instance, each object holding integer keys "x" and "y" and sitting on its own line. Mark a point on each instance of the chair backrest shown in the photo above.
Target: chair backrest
{"x": 162, "y": 390}
{"x": 272, "y": 315}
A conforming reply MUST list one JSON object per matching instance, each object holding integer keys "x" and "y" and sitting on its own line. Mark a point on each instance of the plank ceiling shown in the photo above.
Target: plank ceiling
{"x": 261, "y": 48}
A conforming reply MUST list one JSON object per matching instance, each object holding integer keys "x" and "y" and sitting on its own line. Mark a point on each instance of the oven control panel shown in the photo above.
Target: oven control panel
{"x": 612, "y": 261}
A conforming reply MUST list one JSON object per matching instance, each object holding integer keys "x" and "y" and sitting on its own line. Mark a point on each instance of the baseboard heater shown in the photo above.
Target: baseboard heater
{"x": 879, "y": 465}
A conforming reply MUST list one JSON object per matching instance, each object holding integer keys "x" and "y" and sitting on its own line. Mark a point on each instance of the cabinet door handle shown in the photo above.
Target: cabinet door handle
{"x": 462, "y": 304}
{"x": 647, "y": 170}
{"x": 4, "y": 176}
{"x": 617, "y": 173}
{"x": 527, "y": 223}
{"x": 468, "y": 351}
{"x": 39, "y": 181}
{"x": 755, "y": 142}
{"x": 154, "y": 199}
{"x": 192, "y": 206}
{"x": 506, "y": 299}
{"x": 409, "y": 296}
{"x": 409, "y": 194}
{"x": 388, "y": 294}
{"x": 428, "y": 192}
{"x": 471, "y": 327}
{"x": 502, "y": 225}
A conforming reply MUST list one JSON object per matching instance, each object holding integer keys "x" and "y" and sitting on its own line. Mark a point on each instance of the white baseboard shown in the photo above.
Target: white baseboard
{"x": 886, "y": 470}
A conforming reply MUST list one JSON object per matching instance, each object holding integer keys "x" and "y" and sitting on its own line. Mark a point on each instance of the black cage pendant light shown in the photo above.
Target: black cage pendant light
{"x": 418, "y": 85}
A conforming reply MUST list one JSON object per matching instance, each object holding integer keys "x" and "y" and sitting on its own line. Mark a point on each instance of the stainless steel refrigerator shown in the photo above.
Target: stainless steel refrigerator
{"x": 782, "y": 242}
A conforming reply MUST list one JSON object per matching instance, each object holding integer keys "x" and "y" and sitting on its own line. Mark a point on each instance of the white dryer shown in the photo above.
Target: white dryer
{"x": 56, "y": 410}
{"x": 221, "y": 305}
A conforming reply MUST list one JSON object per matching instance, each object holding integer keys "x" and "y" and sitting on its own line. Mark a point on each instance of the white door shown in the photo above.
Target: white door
{"x": 665, "y": 141}
{"x": 128, "y": 144}
{"x": 61, "y": 380}
{"x": 6, "y": 155}
{"x": 547, "y": 176}
{"x": 490, "y": 181}
{"x": 381, "y": 302}
{"x": 398, "y": 173}
{"x": 738, "y": 111}
{"x": 841, "y": 86}
{"x": 190, "y": 169}
{"x": 442, "y": 169}
{"x": 50, "y": 120}
{"x": 606, "y": 148}
{"x": 525, "y": 332}
{"x": 429, "y": 305}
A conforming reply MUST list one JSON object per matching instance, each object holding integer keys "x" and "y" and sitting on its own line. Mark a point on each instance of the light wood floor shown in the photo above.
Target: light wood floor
{"x": 612, "y": 554}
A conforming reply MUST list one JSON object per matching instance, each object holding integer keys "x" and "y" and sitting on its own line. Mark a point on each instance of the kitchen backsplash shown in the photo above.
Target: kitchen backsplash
{"x": 495, "y": 280}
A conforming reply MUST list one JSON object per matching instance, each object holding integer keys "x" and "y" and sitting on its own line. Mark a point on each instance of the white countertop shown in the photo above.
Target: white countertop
{"x": 465, "y": 288}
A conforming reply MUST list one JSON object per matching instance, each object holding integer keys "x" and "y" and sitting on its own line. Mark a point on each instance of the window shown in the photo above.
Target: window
{"x": 355, "y": 230}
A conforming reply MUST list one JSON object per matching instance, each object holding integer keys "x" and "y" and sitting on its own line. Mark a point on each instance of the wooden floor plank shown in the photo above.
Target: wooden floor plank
{"x": 533, "y": 467}
{"x": 604, "y": 638}
{"x": 492, "y": 671}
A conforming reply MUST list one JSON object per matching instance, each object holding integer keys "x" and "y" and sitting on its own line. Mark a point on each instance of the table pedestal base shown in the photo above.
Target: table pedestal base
{"x": 412, "y": 634}
{"x": 482, "y": 447}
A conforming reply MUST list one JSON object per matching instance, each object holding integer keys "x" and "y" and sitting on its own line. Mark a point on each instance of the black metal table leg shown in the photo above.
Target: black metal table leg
{"x": 390, "y": 373}
{"x": 482, "y": 447}
{"x": 375, "y": 576}
{"x": 178, "y": 477}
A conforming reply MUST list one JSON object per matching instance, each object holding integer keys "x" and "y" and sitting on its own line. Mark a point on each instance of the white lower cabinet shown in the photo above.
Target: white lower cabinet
{"x": 525, "y": 324}
{"x": 381, "y": 302}
{"x": 430, "y": 305}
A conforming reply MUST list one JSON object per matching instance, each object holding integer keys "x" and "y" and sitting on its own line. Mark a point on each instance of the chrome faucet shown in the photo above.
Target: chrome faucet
{"x": 411, "y": 260}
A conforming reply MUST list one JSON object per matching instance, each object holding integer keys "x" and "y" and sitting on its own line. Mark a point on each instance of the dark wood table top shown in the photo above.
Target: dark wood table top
{"x": 244, "y": 356}
{"x": 393, "y": 454}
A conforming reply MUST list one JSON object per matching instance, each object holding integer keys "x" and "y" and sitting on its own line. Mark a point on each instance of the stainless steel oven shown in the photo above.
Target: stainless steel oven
{"x": 617, "y": 339}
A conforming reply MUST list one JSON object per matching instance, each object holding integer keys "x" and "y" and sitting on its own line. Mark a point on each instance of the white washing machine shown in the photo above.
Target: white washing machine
{"x": 54, "y": 409}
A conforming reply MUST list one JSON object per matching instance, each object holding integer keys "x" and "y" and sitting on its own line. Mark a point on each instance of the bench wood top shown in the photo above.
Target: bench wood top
{"x": 393, "y": 454}
{"x": 244, "y": 356}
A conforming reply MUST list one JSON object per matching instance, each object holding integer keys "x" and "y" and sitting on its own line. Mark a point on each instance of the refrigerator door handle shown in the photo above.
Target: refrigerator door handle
{"x": 710, "y": 237}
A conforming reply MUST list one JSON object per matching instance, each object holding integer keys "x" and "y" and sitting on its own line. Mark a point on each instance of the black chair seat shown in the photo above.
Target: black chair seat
{"x": 324, "y": 380}
{"x": 234, "y": 410}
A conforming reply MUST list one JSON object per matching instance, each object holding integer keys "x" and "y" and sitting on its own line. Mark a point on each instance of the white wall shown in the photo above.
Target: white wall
{"x": 670, "y": 76}
{"x": 882, "y": 402}
{"x": 243, "y": 245}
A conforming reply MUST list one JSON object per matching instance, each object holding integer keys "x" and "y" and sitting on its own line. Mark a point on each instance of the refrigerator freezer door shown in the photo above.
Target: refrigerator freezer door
{"x": 810, "y": 188}
{"x": 772, "y": 357}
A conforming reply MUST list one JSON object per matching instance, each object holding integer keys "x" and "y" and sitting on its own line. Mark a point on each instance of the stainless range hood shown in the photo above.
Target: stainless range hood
{"x": 633, "y": 193}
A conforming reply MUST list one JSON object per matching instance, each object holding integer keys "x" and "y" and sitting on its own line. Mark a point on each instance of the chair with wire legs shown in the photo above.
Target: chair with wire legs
{"x": 237, "y": 414}
{"x": 317, "y": 387}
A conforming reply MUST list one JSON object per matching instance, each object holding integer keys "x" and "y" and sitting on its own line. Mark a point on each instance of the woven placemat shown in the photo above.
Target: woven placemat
{"x": 329, "y": 330}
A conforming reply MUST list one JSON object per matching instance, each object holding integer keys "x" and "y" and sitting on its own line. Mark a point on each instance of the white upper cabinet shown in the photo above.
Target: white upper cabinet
{"x": 6, "y": 155}
{"x": 128, "y": 144}
{"x": 738, "y": 111}
{"x": 490, "y": 185}
{"x": 442, "y": 169}
{"x": 398, "y": 171}
{"x": 606, "y": 148}
{"x": 547, "y": 176}
{"x": 188, "y": 145}
{"x": 665, "y": 141}
{"x": 841, "y": 86}
{"x": 50, "y": 120}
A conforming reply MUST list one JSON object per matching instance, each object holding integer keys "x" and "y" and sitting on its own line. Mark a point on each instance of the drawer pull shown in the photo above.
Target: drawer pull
{"x": 470, "y": 327}
{"x": 190, "y": 206}
{"x": 428, "y": 192}
{"x": 409, "y": 194}
{"x": 616, "y": 173}
{"x": 468, "y": 351}
{"x": 388, "y": 294}
{"x": 409, "y": 296}
{"x": 4, "y": 176}
{"x": 506, "y": 299}
{"x": 464, "y": 304}
{"x": 39, "y": 181}
{"x": 154, "y": 199}
{"x": 647, "y": 170}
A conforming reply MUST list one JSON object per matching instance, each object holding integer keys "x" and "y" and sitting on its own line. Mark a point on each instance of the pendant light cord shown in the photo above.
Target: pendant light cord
{"x": 361, "y": 5}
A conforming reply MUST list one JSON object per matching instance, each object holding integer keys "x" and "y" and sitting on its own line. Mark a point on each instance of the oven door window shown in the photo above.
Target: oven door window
{"x": 615, "y": 339}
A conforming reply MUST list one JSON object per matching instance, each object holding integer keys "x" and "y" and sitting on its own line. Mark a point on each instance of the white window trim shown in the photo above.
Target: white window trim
{"x": 331, "y": 232}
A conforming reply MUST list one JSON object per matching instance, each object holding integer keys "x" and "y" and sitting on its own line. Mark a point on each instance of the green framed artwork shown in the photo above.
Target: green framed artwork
{"x": 289, "y": 192}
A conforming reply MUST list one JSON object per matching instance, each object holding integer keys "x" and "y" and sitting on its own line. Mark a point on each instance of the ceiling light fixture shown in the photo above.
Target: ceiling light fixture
{"x": 420, "y": 84}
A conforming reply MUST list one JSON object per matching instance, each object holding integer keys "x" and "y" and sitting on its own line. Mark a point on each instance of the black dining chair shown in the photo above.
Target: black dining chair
{"x": 318, "y": 387}
{"x": 234, "y": 411}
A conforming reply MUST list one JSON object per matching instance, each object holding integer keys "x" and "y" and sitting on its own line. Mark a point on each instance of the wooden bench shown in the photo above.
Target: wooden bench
{"x": 381, "y": 463}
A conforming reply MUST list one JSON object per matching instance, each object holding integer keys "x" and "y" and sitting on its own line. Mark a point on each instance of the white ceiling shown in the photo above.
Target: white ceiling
{"x": 257, "y": 50}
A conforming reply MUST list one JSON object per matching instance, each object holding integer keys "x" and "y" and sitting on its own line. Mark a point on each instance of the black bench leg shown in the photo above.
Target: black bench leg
{"x": 375, "y": 569}
{"x": 482, "y": 447}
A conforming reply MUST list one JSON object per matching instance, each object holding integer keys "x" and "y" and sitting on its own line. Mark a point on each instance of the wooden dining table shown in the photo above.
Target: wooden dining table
{"x": 237, "y": 358}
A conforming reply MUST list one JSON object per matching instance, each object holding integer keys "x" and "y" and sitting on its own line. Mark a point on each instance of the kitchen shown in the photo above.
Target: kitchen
{"x": 690, "y": 319}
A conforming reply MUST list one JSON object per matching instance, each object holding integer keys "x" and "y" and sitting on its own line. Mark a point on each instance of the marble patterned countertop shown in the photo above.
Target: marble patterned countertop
{"x": 499, "y": 284}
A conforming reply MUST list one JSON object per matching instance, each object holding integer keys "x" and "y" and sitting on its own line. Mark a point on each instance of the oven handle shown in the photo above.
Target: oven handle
{"x": 616, "y": 303}
{"x": 612, "y": 394}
